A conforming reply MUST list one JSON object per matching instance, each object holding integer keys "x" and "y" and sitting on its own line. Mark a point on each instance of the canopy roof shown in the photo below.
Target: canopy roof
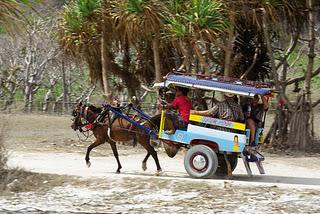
{"x": 223, "y": 84}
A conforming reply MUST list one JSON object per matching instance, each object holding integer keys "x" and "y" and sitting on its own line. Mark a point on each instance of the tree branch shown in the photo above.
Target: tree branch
{"x": 252, "y": 64}
{"x": 293, "y": 43}
{"x": 298, "y": 79}
{"x": 314, "y": 104}
{"x": 298, "y": 56}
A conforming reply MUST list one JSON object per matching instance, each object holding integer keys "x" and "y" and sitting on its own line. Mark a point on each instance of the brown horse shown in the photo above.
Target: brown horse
{"x": 121, "y": 130}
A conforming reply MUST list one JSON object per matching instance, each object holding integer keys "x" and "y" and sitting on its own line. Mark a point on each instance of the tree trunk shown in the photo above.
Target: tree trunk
{"x": 186, "y": 64}
{"x": 46, "y": 99}
{"x": 203, "y": 64}
{"x": 104, "y": 61}
{"x": 27, "y": 97}
{"x": 65, "y": 87}
{"x": 228, "y": 53}
{"x": 300, "y": 130}
{"x": 275, "y": 76}
{"x": 299, "y": 115}
{"x": 156, "y": 57}
{"x": 311, "y": 54}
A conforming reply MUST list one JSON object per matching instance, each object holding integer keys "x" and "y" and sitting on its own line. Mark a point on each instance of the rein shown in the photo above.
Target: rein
{"x": 92, "y": 118}
{"x": 85, "y": 133}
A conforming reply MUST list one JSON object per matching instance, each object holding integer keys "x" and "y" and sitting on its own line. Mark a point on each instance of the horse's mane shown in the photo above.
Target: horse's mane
{"x": 96, "y": 110}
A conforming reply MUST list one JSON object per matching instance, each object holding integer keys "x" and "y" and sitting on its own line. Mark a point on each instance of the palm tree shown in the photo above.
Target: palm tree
{"x": 79, "y": 33}
{"x": 11, "y": 12}
{"x": 282, "y": 15}
{"x": 192, "y": 25}
{"x": 139, "y": 20}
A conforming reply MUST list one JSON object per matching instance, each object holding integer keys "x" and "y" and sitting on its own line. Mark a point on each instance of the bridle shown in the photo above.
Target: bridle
{"x": 81, "y": 122}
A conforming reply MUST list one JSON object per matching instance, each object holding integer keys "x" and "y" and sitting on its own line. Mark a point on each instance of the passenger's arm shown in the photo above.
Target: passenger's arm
{"x": 211, "y": 112}
{"x": 202, "y": 113}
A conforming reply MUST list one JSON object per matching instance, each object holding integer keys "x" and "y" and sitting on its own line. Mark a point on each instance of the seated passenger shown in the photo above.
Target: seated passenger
{"x": 115, "y": 102}
{"x": 227, "y": 109}
{"x": 254, "y": 113}
{"x": 183, "y": 104}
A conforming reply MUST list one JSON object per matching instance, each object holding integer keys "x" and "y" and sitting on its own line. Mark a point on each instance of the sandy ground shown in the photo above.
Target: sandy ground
{"x": 46, "y": 144}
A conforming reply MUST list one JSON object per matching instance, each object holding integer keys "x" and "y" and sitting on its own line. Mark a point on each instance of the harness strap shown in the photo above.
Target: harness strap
{"x": 85, "y": 112}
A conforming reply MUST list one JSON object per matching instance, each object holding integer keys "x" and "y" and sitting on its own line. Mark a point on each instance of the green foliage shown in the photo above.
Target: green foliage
{"x": 135, "y": 6}
{"x": 78, "y": 12}
{"x": 2, "y": 30}
{"x": 84, "y": 8}
{"x": 195, "y": 18}
{"x": 175, "y": 28}
{"x": 300, "y": 66}
{"x": 206, "y": 14}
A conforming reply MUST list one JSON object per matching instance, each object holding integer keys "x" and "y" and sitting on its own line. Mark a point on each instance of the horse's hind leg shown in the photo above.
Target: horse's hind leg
{"x": 96, "y": 143}
{"x": 144, "y": 162}
{"x": 116, "y": 155}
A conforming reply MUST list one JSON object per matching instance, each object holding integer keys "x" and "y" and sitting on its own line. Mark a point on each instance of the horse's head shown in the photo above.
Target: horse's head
{"x": 77, "y": 115}
{"x": 84, "y": 113}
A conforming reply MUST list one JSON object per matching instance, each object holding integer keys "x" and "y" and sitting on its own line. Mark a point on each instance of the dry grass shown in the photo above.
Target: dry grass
{"x": 19, "y": 180}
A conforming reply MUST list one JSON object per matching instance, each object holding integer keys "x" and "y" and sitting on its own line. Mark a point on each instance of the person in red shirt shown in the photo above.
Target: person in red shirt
{"x": 183, "y": 104}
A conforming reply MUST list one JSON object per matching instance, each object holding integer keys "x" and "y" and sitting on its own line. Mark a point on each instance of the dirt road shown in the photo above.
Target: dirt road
{"x": 47, "y": 145}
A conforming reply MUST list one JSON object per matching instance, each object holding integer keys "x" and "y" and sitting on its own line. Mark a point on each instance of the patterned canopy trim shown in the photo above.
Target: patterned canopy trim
{"x": 189, "y": 81}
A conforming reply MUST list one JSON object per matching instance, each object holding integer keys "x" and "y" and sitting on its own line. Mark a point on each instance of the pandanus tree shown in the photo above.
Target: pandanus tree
{"x": 79, "y": 33}
{"x": 193, "y": 27}
{"x": 289, "y": 19}
{"x": 99, "y": 32}
{"x": 137, "y": 21}
{"x": 11, "y": 13}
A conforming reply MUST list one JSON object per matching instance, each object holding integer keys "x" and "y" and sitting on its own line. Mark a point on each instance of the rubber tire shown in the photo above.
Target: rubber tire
{"x": 222, "y": 167}
{"x": 211, "y": 157}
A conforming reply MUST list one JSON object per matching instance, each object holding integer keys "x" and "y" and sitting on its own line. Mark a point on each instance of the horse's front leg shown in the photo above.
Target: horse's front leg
{"x": 144, "y": 162}
{"x": 145, "y": 143}
{"x": 116, "y": 155}
{"x": 96, "y": 143}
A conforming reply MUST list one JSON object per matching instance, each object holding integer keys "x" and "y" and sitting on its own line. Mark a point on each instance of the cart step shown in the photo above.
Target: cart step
{"x": 246, "y": 164}
{"x": 260, "y": 167}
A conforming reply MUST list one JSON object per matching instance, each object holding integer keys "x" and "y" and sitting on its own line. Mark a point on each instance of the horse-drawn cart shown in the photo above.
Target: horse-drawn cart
{"x": 214, "y": 145}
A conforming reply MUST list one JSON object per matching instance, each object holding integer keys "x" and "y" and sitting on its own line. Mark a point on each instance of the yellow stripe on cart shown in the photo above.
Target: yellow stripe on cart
{"x": 217, "y": 122}
{"x": 162, "y": 123}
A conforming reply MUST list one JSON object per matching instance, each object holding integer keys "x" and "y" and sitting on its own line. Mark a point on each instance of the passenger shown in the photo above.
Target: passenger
{"x": 183, "y": 104}
{"x": 115, "y": 102}
{"x": 227, "y": 109}
{"x": 254, "y": 113}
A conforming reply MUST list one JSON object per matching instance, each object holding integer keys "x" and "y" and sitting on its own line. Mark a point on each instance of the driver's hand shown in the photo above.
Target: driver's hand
{"x": 163, "y": 106}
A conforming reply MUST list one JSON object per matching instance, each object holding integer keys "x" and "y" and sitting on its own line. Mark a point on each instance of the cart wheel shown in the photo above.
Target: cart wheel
{"x": 222, "y": 167}
{"x": 200, "y": 161}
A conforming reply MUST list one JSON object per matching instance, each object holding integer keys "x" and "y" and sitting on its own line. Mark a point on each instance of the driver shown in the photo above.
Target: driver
{"x": 183, "y": 104}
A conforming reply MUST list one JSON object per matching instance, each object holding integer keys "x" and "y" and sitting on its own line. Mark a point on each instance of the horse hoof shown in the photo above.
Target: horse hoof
{"x": 88, "y": 164}
{"x": 118, "y": 172}
{"x": 144, "y": 166}
{"x": 159, "y": 172}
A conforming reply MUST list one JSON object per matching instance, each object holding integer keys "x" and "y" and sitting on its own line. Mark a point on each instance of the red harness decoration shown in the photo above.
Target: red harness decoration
{"x": 89, "y": 126}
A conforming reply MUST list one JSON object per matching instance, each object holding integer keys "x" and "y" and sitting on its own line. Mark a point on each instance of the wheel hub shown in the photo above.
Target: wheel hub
{"x": 199, "y": 162}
